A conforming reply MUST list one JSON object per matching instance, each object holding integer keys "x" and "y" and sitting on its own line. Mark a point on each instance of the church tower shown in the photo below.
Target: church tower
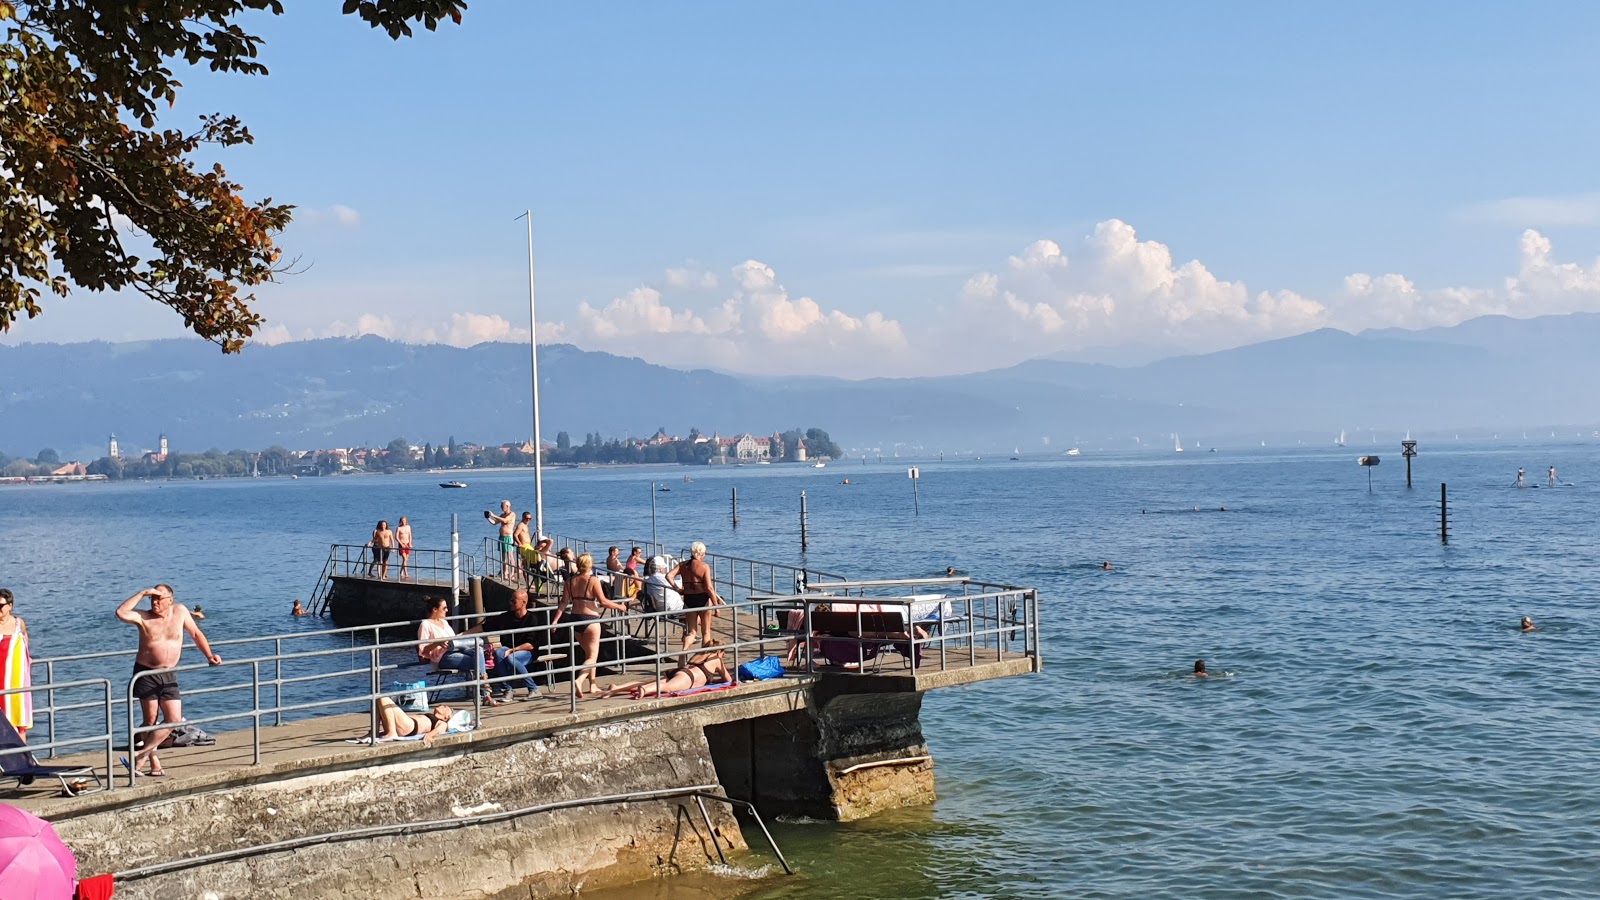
{"x": 163, "y": 443}
{"x": 112, "y": 450}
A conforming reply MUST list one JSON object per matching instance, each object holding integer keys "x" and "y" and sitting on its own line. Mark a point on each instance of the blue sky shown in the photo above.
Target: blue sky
{"x": 894, "y": 188}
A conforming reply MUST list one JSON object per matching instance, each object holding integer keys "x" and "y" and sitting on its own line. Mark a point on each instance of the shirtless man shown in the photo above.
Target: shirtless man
{"x": 402, "y": 536}
{"x": 507, "y": 520}
{"x": 382, "y": 545}
{"x": 699, "y": 594}
{"x": 161, "y": 630}
{"x": 522, "y": 538}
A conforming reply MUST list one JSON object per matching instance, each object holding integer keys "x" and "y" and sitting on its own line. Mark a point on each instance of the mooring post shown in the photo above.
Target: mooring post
{"x": 803, "y": 542}
{"x": 914, "y": 474}
{"x": 1408, "y": 449}
{"x": 1444, "y": 515}
{"x": 455, "y": 559}
{"x": 735, "y": 502}
{"x": 475, "y": 595}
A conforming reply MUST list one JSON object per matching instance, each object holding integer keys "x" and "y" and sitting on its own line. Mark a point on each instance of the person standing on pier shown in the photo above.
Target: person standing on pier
{"x": 402, "y": 536}
{"x": 699, "y": 595}
{"x": 161, "y": 630}
{"x": 585, "y": 597}
{"x": 16, "y": 666}
{"x": 382, "y": 545}
{"x": 507, "y": 520}
{"x": 522, "y": 539}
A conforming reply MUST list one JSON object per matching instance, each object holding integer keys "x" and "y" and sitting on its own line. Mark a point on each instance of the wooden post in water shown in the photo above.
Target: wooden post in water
{"x": 803, "y": 542}
{"x": 735, "y": 503}
{"x": 1408, "y": 449}
{"x": 1444, "y": 515}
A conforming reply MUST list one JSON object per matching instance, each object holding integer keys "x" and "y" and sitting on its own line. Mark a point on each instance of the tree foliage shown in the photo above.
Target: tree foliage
{"x": 84, "y": 161}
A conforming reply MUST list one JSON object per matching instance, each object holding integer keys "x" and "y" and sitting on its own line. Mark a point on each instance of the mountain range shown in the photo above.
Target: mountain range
{"x": 1491, "y": 372}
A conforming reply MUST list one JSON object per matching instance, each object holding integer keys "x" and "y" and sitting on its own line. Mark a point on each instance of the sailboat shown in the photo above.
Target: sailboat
{"x": 1340, "y": 441}
{"x": 1177, "y": 444}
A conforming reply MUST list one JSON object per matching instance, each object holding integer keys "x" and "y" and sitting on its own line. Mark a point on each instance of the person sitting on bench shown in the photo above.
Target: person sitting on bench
{"x": 702, "y": 669}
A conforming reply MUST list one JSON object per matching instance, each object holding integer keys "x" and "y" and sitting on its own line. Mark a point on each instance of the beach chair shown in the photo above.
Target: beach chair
{"x": 25, "y": 768}
{"x": 840, "y": 641}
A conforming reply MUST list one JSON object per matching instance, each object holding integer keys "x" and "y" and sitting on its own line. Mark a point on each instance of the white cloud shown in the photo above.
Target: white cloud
{"x": 1574, "y": 209}
{"x": 692, "y": 276}
{"x": 1116, "y": 290}
{"x": 760, "y": 327}
{"x": 462, "y": 330}
{"x": 1120, "y": 290}
{"x": 337, "y": 215}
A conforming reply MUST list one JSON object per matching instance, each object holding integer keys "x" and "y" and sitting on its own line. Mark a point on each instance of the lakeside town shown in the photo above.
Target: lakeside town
{"x": 399, "y": 455}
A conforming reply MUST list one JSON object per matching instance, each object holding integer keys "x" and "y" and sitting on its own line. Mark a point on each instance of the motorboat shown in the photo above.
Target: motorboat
{"x": 820, "y": 465}
{"x": 452, "y": 484}
{"x": 1074, "y": 452}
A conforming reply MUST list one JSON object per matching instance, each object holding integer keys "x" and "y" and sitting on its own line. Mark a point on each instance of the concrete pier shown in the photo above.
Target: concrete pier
{"x": 557, "y": 794}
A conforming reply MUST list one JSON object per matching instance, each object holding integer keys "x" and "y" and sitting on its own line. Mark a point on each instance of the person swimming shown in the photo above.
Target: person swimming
{"x": 1200, "y": 669}
{"x": 1106, "y": 566}
{"x": 1527, "y": 625}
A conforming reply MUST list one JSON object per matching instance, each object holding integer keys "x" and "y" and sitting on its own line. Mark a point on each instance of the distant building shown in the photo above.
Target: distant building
{"x": 112, "y": 450}
{"x": 72, "y": 468}
{"x": 800, "y": 449}
{"x": 163, "y": 450}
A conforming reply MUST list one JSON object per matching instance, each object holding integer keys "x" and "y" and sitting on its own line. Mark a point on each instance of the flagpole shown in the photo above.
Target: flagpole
{"x": 533, "y": 349}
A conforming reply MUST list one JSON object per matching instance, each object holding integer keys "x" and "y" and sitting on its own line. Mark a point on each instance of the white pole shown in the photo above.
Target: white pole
{"x": 455, "y": 561}
{"x": 533, "y": 346}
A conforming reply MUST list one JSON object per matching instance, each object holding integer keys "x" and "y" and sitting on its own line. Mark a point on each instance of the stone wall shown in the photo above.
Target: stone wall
{"x": 540, "y": 855}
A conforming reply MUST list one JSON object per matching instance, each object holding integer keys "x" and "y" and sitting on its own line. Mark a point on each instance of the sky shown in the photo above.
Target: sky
{"x": 906, "y": 189}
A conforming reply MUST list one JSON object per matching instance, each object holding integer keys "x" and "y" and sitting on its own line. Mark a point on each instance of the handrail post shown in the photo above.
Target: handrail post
{"x": 372, "y": 702}
{"x": 133, "y": 750}
{"x": 111, "y": 774}
{"x": 277, "y": 681}
{"x": 50, "y": 701}
{"x": 572, "y": 663}
{"x": 255, "y": 712}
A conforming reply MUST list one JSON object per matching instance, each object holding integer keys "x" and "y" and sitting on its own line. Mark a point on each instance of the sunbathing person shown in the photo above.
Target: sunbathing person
{"x": 395, "y": 723}
{"x": 703, "y": 669}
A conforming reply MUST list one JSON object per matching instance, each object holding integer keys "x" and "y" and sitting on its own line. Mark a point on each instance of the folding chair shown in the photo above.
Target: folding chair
{"x": 24, "y": 767}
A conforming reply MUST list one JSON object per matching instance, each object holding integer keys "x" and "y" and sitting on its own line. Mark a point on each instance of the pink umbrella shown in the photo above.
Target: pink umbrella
{"x": 34, "y": 864}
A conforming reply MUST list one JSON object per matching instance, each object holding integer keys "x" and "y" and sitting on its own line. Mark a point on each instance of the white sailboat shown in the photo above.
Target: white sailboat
{"x": 1177, "y": 444}
{"x": 1340, "y": 441}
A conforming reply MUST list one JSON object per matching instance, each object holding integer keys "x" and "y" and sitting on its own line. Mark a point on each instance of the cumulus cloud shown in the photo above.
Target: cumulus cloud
{"x": 760, "y": 327}
{"x": 1117, "y": 289}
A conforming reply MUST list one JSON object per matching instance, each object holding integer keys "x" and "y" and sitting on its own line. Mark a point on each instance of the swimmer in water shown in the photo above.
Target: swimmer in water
{"x": 949, "y": 571}
{"x": 1200, "y": 669}
{"x": 1527, "y": 625}
{"x": 1106, "y": 566}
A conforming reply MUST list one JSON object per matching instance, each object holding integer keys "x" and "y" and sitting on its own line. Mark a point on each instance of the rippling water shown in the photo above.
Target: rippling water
{"x": 1385, "y": 729}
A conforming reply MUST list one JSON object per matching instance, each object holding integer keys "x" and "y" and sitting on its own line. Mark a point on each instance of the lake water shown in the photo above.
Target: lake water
{"x": 1385, "y": 729}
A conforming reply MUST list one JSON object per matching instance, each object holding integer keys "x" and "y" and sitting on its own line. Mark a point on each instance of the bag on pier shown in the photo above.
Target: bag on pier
{"x": 761, "y": 669}
{"x": 188, "y": 736}
{"x": 416, "y": 698}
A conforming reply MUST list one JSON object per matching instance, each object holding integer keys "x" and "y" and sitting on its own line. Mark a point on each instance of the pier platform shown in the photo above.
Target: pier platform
{"x": 545, "y": 797}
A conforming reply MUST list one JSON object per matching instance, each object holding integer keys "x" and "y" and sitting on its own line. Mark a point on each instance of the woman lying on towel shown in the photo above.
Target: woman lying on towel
{"x": 395, "y": 723}
{"x": 703, "y": 669}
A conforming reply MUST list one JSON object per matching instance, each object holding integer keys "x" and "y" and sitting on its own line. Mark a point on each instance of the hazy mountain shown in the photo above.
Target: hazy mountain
{"x": 1494, "y": 372}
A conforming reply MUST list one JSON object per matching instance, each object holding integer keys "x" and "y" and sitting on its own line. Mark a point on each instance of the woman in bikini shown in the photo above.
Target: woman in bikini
{"x": 584, "y": 594}
{"x": 395, "y": 723}
{"x": 703, "y": 669}
{"x": 698, "y": 595}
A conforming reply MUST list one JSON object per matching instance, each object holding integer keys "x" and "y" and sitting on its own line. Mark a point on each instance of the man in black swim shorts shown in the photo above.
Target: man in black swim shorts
{"x": 161, "y": 631}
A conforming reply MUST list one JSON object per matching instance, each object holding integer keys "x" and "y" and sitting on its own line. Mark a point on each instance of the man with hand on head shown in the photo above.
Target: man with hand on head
{"x": 161, "y": 631}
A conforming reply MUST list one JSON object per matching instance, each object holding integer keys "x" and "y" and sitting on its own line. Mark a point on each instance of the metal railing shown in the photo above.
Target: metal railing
{"x": 984, "y": 623}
